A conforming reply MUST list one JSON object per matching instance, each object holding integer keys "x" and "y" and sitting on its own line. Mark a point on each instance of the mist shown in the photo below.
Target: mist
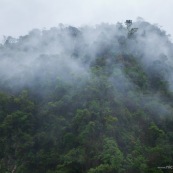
{"x": 66, "y": 50}
{"x": 41, "y": 59}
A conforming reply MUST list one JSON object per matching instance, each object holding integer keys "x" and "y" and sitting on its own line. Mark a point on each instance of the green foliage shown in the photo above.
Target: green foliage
{"x": 103, "y": 168}
{"x": 111, "y": 123}
{"x": 111, "y": 154}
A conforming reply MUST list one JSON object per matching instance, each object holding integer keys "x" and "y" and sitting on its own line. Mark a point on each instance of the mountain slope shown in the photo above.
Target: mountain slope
{"x": 88, "y": 100}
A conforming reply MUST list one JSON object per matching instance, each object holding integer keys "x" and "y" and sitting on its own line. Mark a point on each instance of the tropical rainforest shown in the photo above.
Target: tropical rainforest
{"x": 87, "y": 100}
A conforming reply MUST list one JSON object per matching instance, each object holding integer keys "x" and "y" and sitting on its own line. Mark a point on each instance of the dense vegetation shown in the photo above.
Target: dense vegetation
{"x": 87, "y": 100}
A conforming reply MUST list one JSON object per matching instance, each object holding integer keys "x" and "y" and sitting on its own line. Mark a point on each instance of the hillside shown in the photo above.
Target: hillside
{"x": 87, "y": 100}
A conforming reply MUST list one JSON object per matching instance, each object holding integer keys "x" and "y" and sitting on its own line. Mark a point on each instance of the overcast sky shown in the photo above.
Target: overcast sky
{"x": 17, "y": 17}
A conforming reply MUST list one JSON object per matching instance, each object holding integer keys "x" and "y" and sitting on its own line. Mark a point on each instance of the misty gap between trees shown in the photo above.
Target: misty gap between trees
{"x": 87, "y": 100}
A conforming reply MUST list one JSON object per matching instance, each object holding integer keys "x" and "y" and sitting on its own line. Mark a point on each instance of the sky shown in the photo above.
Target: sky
{"x": 18, "y": 17}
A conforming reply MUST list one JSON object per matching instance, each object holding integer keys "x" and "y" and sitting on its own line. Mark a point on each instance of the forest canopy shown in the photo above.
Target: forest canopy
{"x": 87, "y": 100}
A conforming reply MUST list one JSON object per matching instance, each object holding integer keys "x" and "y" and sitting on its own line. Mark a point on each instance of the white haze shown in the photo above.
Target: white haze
{"x": 66, "y": 54}
{"x": 64, "y": 50}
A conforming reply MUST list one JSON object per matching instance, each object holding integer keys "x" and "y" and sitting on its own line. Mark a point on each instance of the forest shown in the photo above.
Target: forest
{"x": 87, "y": 100}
